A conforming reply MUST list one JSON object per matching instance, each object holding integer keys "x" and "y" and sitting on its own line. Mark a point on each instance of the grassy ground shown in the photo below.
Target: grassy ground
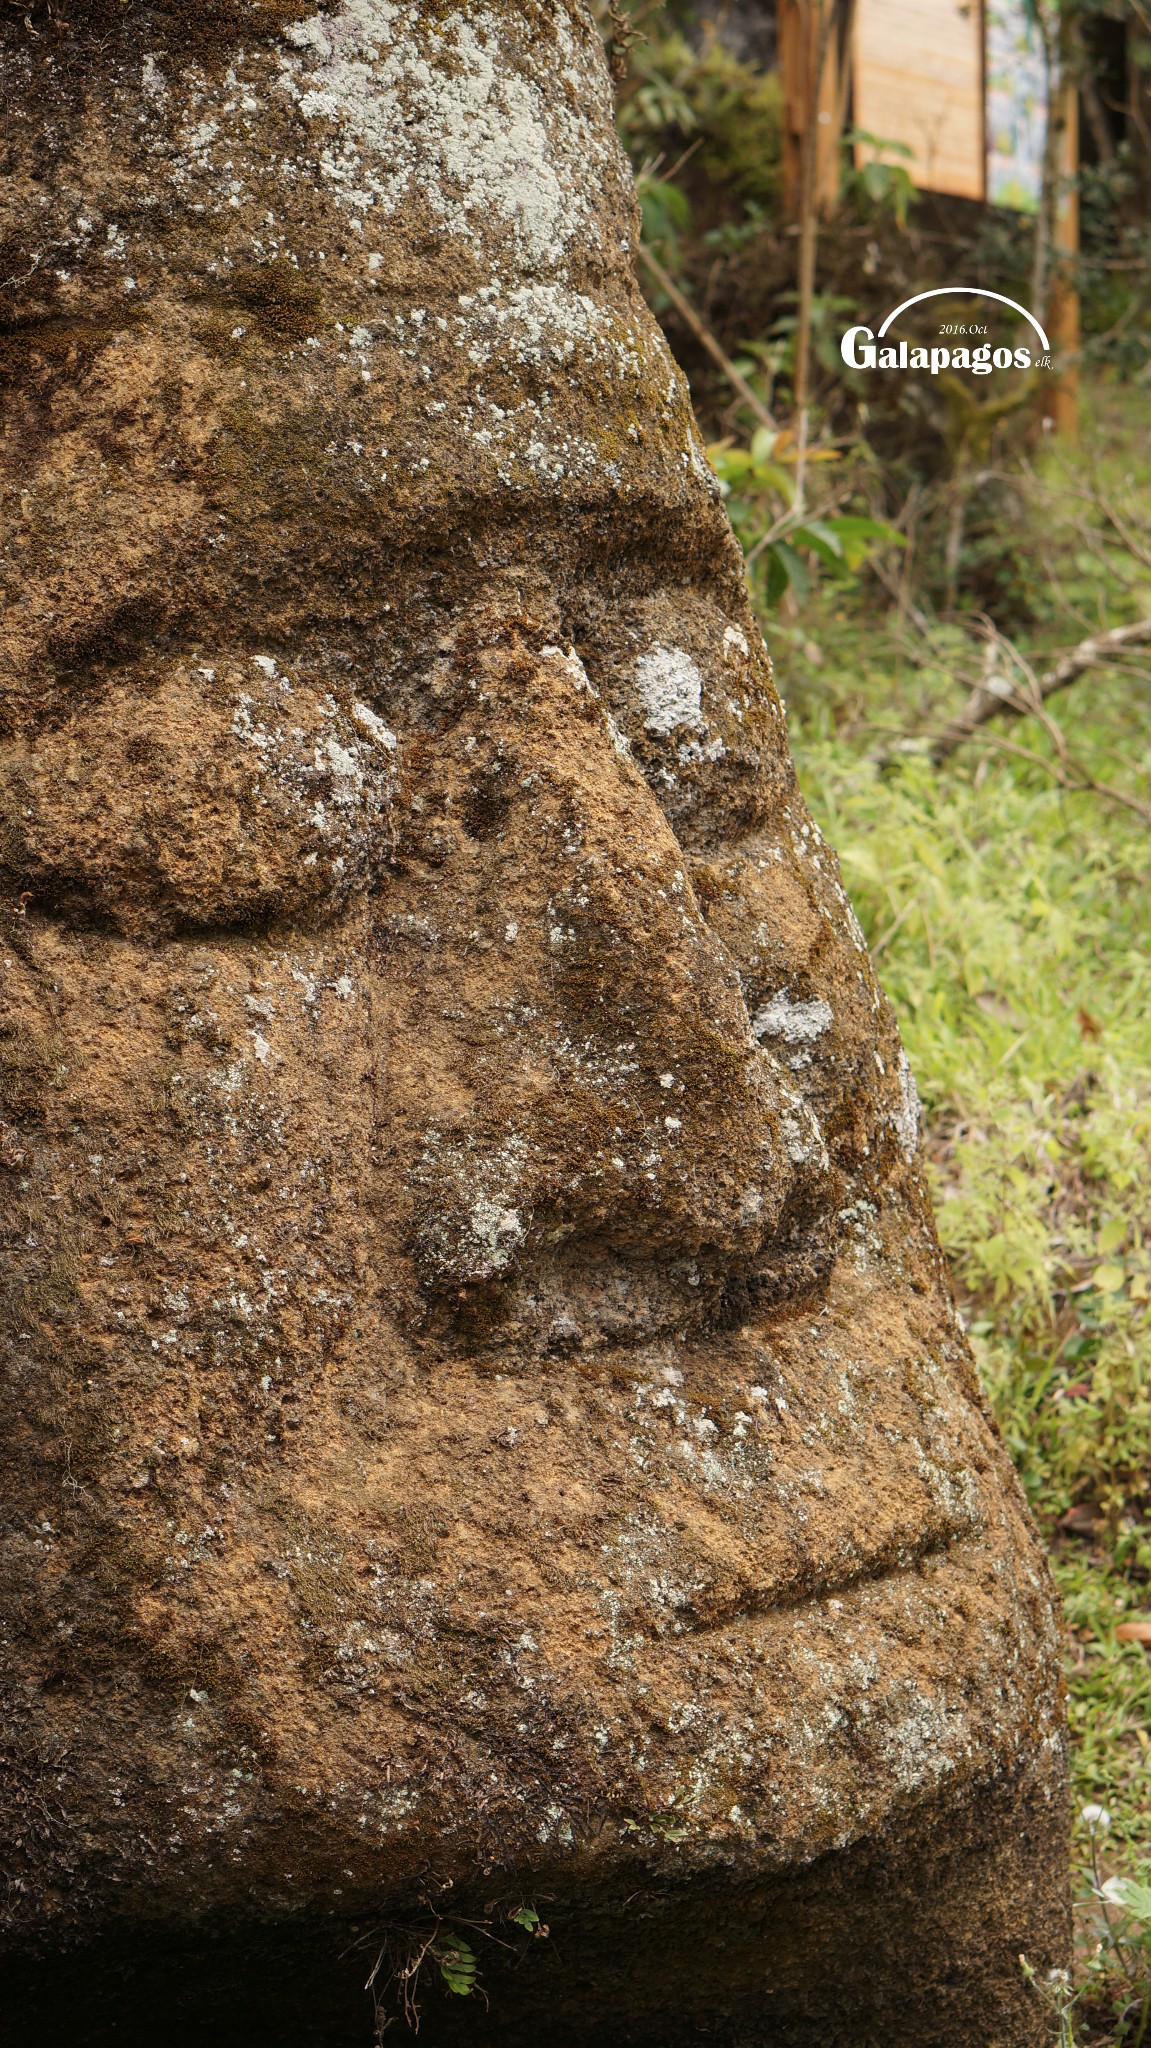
{"x": 1012, "y": 923}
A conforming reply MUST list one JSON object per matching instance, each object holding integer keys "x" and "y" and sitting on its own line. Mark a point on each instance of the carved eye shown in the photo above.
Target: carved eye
{"x": 207, "y": 795}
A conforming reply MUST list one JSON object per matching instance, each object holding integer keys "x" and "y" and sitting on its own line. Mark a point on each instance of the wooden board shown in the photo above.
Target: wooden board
{"x": 919, "y": 80}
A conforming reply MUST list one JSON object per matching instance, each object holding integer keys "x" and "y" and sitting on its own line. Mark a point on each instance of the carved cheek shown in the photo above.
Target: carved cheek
{"x": 212, "y": 794}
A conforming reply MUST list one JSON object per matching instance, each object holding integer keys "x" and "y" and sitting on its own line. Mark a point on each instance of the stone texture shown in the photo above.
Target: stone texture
{"x": 483, "y": 1414}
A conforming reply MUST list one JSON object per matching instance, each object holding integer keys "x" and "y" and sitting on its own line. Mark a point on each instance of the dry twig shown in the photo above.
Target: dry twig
{"x": 703, "y": 334}
{"x": 1069, "y": 773}
{"x": 994, "y": 694}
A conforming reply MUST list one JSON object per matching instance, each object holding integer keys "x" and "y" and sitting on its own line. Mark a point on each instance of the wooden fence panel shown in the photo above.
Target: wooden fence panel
{"x": 919, "y": 81}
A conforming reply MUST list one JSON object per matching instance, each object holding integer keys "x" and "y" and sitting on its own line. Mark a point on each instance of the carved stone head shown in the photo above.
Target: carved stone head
{"x": 484, "y": 1413}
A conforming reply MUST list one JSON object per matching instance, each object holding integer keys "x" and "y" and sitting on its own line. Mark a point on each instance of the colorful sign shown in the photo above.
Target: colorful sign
{"x": 1016, "y": 105}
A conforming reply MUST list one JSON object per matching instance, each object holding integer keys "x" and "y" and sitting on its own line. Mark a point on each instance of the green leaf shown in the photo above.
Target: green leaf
{"x": 794, "y": 567}
{"x": 1112, "y": 1235}
{"x": 880, "y": 142}
{"x": 731, "y": 464}
{"x": 770, "y": 477}
{"x": 1108, "y": 1279}
{"x": 877, "y": 180}
{"x": 526, "y": 1917}
{"x": 775, "y": 576}
{"x": 820, "y": 537}
{"x": 664, "y": 209}
{"x": 457, "y": 1966}
{"x": 859, "y": 537}
{"x": 1134, "y": 1898}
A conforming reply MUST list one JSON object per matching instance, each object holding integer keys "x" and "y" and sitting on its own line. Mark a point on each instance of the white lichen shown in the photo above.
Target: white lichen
{"x": 795, "y": 1023}
{"x": 471, "y": 136}
{"x": 670, "y": 690}
{"x": 905, "y": 1115}
{"x": 498, "y": 1231}
{"x": 347, "y": 775}
{"x": 374, "y": 727}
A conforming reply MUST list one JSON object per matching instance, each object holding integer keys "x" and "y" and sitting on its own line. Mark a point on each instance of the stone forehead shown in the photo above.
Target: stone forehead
{"x": 481, "y": 136}
{"x": 405, "y": 238}
{"x": 492, "y": 120}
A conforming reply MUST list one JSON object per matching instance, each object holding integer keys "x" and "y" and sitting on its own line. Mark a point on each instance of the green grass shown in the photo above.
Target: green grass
{"x": 1012, "y": 923}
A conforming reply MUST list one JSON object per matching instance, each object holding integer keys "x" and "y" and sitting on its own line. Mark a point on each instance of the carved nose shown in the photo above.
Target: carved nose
{"x": 587, "y": 1071}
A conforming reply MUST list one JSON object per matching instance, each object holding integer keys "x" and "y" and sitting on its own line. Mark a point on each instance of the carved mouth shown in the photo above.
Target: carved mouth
{"x": 587, "y": 1296}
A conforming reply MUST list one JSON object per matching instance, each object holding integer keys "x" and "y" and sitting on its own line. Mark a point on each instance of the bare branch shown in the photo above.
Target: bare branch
{"x": 1070, "y": 776}
{"x": 703, "y": 333}
{"x": 995, "y": 694}
{"x": 1133, "y": 542}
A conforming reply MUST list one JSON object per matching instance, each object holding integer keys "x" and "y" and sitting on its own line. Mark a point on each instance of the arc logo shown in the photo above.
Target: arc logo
{"x": 864, "y": 348}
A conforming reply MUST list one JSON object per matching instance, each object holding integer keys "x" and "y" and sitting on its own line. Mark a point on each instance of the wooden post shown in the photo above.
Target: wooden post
{"x": 820, "y": 26}
{"x": 1063, "y": 399}
{"x": 828, "y": 115}
{"x": 802, "y": 30}
{"x": 793, "y": 27}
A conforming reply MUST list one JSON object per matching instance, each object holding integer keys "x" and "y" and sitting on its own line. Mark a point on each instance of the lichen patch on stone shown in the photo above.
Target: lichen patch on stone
{"x": 905, "y": 1115}
{"x": 470, "y": 133}
{"x": 670, "y": 689}
{"x": 798, "y": 1023}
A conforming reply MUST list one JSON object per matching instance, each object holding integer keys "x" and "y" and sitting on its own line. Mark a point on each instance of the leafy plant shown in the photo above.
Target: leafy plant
{"x": 784, "y": 544}
{"x": 678, "y": 95}
{"x": 875, "y": 185}
{"x": 665, "y": 212}
{"x": 1058, "y": 1995}
{"x": 831, "y": 312}
{"x": 435, "y": 1941}
{"x": 1119, "y": 1969}
{"x": 1131, "y": 1938}
{"x": 1011, "y": 923}
{"x": 456, "y": 1961}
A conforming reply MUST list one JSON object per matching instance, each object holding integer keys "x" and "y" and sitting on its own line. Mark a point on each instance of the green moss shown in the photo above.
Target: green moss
{"x": 322, "y": 1582}
{"x": 199, "y": 30}
{"x": 279, "y": 300}
{"x": 54, "y": 349}
{"x": 26, "y": 1065}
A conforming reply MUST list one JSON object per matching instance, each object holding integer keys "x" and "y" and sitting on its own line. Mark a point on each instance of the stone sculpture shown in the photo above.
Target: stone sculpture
{"x": 484, "y": 1420}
